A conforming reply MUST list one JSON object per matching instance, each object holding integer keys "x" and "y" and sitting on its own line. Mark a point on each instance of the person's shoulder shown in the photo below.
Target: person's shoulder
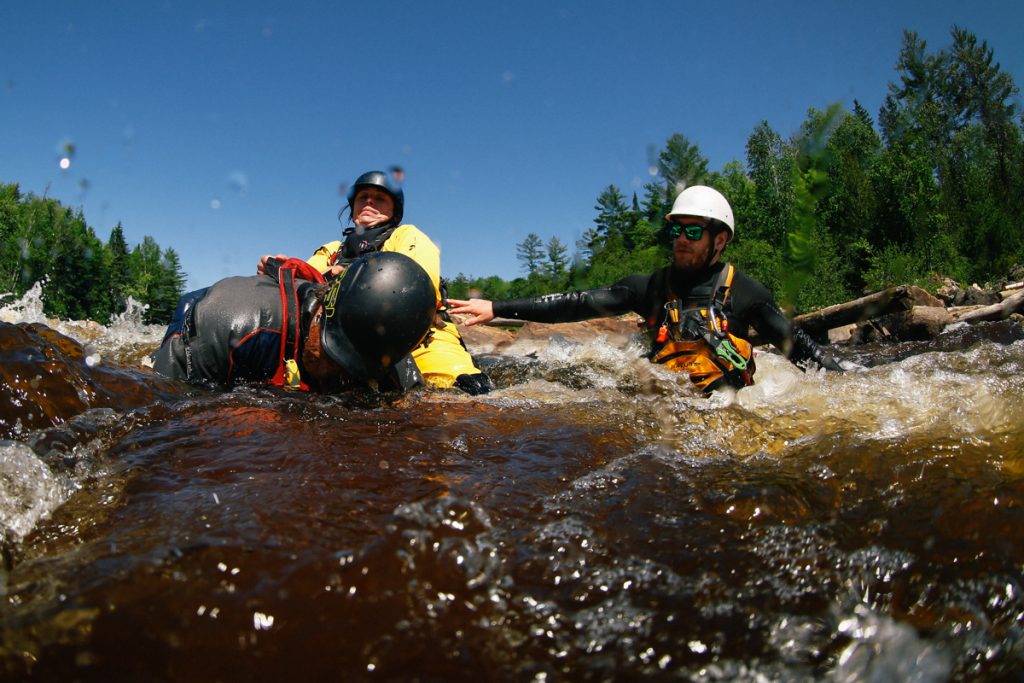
{"x": 237, "y": 287}
{"x": 332, "y": 246}
{"x": 750, "y": 290}
{"x": 741, "y": 277}
{"x": 409, "y": 235}
{"x": 407, "y": 230}
{"x": 246, "y": 282}
{"x": 636, "y": 280}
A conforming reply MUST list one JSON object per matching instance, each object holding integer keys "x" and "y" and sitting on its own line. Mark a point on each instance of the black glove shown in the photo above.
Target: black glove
{"x": 806, "y": 349}
{"x": 474, "y": 384}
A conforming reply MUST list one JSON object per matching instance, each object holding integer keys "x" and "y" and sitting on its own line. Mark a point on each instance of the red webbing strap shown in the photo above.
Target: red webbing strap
{"x": 291, "y": 320}
{"x": 303, "y": 270}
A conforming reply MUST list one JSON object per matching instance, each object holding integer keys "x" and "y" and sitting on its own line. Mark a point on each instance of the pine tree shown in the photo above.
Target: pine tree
{"x": 612, "y": 213}
{"x": 556, "y": 268}
{"x": 119, "y": 268}
{"x": 168, "y": 288}
{"x": 145, "y": 268}
{"x": 530, "y": 253}
{"x": 850, "y": 207}
{"x": 588, "y": 244}
{"x": 681, "y": 164}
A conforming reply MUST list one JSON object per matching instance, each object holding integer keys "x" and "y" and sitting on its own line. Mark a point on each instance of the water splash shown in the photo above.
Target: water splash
{"x": 27, "y": 309}
{"x": 885, "y": 650}
{"x": 29, "y": 491}
{"x": 132, "y": 315}
{"x": 126, "y": 339}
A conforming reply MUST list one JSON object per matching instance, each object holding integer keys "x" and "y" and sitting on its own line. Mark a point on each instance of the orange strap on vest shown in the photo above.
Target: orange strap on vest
{"x": 717, "y": 353}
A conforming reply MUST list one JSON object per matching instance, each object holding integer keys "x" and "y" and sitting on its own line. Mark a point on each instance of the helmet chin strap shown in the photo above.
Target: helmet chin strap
{"x": 713, "y": 252}
{"x": 711, "y": 257}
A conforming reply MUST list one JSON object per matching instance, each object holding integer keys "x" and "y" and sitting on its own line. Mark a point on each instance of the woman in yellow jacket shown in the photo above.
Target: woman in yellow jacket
{"x": 377, "y": 205}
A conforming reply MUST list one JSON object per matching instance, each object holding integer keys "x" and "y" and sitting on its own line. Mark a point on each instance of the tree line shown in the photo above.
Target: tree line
{"x": 82, "y": 277}
{"x": 844, "y": 206}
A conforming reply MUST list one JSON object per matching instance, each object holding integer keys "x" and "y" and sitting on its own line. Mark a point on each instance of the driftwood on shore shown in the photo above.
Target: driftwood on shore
{"x": 892, "y": 300}
{"x": 1014, "y": 303}
{"x": 906, "y": 313}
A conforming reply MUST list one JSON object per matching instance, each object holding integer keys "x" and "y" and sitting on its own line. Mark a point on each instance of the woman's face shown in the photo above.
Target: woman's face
{"x": 372, "y": 207}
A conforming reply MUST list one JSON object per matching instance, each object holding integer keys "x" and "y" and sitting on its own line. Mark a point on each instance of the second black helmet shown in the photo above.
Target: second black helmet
{"x": 377, "y": 313}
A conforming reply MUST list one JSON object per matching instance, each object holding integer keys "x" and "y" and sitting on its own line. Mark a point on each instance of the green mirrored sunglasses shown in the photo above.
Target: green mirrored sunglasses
{"x": 693, "y": 232}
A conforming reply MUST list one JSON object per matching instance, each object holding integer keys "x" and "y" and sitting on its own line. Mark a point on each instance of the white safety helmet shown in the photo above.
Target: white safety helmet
{"x": 706, "y": 202}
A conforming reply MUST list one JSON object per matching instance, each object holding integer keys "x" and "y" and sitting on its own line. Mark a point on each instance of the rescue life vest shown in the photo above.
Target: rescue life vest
{"x": 355, "y": 242}
{"x": 287, "y": 374}
{"x": 694, "y": 336}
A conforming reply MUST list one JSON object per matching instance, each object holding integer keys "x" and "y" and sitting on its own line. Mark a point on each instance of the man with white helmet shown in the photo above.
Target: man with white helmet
{"x": 698, "y": 311}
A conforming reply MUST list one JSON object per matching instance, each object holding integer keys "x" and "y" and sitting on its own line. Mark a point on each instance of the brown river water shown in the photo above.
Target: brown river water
{"x": 593, "y": 519}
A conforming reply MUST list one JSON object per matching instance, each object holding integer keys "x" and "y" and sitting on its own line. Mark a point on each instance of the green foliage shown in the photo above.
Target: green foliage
{"x": 82, "y": 277}
{"x": 825, "y": 284}
{"x": 893, "y": 266}
{"x": 615, "y": 262}
{"x": 759, "y": 259}
{"x": 117, "y": 267}
{"x": 805, "y": 242}
{"x": 491, "y": 287}
{"x": 849, "y": 207}
{"x": 772, "y": 166}
{"x": 681, "y": 164}
{"x": 167, "y": 289}
{"x": 954, "y": 158}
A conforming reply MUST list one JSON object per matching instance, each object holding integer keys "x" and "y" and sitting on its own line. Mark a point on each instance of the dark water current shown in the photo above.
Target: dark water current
{"x": 593, "y": 519}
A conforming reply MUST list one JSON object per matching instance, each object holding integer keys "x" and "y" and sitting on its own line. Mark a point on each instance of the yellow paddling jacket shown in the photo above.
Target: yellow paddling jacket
{"x": 444, "y": 356}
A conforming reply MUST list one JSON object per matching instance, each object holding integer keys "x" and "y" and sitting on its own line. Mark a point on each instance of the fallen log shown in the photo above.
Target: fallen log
{"x": 892, "y": 300}
{"x": 917, "y": 324}
{"x": 1011, "y": 289}
{"x": 1001, "y": 311}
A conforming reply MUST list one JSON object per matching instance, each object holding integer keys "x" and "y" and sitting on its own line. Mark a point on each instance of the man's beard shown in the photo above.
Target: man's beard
{"x": 690, "y": 260}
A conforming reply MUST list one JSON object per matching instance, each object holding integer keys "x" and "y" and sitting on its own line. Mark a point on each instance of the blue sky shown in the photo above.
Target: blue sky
{"x": 224, "y": 130}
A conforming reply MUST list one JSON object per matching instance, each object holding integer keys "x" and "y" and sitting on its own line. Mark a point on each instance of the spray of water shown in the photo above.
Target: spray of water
{"x": 126, "y": 339}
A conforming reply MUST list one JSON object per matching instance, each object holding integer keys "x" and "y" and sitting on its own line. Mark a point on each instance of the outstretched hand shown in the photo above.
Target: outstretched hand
{"x": 481, "y": 310}
{"x": 261, "y": 267}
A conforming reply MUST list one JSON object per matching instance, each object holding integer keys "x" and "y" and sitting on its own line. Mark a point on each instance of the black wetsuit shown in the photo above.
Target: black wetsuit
{"x": 228, "y": 332}
{"x": 750, "y": 305}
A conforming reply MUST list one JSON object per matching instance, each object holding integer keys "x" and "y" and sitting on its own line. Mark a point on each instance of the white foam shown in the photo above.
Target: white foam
{"x": 28, "y": 490}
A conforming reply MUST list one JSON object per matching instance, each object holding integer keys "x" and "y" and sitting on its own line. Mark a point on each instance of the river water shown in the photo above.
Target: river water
{"x": 592, "y": 519}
